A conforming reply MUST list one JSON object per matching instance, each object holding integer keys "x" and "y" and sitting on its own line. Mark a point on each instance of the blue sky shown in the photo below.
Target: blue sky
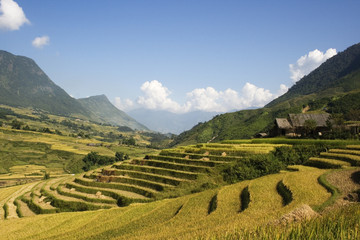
{"x": 204, "y": 55}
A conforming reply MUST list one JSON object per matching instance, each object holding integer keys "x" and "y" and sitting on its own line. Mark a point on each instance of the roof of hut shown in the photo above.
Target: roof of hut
{"x": 283, "y": 123}
{"x": 298, "y": 120}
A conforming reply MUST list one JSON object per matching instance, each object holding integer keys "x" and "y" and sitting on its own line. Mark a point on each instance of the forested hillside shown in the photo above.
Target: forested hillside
{"x": 333, "y": 87}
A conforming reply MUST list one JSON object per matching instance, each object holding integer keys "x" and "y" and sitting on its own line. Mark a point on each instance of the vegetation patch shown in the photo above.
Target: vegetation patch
{"x": 6, "y": 210}
{"x": 284, "y": 192}
{"x": 335, "y": 193}
{"x": 251, "y": 167}
{"x": 212, "y": 204}
{"x": 244, "y": 199}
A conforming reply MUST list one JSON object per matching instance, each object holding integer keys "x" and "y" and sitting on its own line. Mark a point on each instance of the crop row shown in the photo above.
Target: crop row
{"x": 126, "y": 187}
{"x": 171, "y": 153}
{"x": 353, "y": 159}
{"x": 326, "y": 163}
{"x": 201, "y": 162}
{"x": 143, "y": 175}
{"x": 158, "y": 170}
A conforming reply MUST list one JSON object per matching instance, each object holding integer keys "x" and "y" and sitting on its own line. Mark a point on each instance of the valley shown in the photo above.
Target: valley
{"x": 83, "y": 169}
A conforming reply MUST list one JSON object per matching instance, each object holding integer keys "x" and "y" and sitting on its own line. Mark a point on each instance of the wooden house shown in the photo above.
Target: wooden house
{"x": 294, "y": 124}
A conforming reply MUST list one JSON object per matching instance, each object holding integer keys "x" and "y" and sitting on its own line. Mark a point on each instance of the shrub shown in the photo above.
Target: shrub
{"x": 6, "y": 210}
{"x": 244, "y": 199}
{"x": 284, "y": 192}
{"x": 120, "y": 156}
{"x": 94, "y": 159}
{"x": 251, "y": 167}
{"x": 212, "y": 204}
{"x": 123, "y": 201}
{"x": 298, "y": 154}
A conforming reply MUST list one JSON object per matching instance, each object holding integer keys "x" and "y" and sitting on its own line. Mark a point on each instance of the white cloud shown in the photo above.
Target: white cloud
{"x": 157, "y": 97}
{"x": 204, "y": 99}
{"x": 307, "y": 63}
{"x": 12, "y": 17}
{"x": 125, "y": 105}
{"x": 40, "y": 42}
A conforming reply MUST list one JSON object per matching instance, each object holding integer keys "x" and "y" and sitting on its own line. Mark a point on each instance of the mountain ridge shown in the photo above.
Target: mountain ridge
{"x": 24, "y": 84}
{"x": 337, "y": 78}
{"x": 105, "y": 111}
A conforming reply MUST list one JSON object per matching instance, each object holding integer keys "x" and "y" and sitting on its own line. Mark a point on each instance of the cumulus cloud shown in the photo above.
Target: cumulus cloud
{"x": 12, "y": 17}
{"x": 204, "y": 99}
{"x": 40, "y": 42}
{"x": 124, "y": 105}
{"x": 307, "y": 63}
{"x": 157, "y": 97}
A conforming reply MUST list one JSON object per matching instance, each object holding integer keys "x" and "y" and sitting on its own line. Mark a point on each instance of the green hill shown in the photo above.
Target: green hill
{"x": 101, "y": 107}
{"x": 329, "y": 88}
{"x": 24, "y": 84}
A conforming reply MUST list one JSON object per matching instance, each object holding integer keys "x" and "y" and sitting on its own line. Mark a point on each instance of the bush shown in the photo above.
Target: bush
{"x": 94, "y": 159}
{"x": 252, "y": 167}
{"x": 284, "y": 192}
{"x": 123, "y": 201}
{"x": 120, "y": 156}
{"x": 298, "y": 154}
{"x": 244, "y": 199}
{"x": 6, "y": 210}
{"x": 212, "y": 204}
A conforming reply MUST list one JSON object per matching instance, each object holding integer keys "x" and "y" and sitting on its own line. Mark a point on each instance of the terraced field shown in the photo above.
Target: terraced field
{"x": 183, "y": 217}
{"x": 172, "y": 173}
{"x": 160, "y": 199}
{"x": 338, "y": 158}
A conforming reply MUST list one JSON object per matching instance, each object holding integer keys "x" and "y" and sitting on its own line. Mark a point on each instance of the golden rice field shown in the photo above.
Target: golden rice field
{"x": 165, "y": 200}
{"x": 181, "y": 218}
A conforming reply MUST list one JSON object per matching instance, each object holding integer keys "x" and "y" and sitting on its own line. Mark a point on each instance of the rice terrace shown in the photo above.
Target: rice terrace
{"x": 222, "y": 146}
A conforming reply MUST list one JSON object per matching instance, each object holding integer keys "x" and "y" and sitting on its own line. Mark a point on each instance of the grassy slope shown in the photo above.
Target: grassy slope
{"x": 332, "y": 80}
{"x": 106, "y": 112}
{"x": 54, "y": 152}
{"x": 163, "y": 219}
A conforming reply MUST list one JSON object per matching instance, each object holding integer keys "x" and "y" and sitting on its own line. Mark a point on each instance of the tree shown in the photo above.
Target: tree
{"x": 15, "y": 124}
{"x": 310, "y": 126}
{"x": 129, "y": 141}
{"x": 120, "y": 156}
{"x": 94, "y": 159}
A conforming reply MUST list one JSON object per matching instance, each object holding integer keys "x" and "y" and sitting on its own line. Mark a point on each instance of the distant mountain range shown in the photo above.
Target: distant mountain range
{"x": 333, "y": 87}
{"x": 24, "y": 84}
{"x": 167, "y": 122}
{"x": 102, "y": 108}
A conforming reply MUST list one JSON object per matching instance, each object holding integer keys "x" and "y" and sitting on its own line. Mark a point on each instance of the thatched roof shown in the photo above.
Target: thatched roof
{"x": 298, "y": 120}
{"x": 283, "y": 123}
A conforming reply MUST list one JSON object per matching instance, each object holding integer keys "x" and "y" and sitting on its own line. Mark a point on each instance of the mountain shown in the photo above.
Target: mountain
{"x": 333, "y": 87}
{"x": 106, "y": 112}
{"x": 24, "y": 84}
{"x": 168, "y": 122}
